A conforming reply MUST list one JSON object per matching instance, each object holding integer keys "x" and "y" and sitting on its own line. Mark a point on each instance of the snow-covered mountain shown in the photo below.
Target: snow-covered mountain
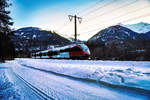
{"x": 139, "y": 27}
{"x": 114, "y": 34}
{"x": 118, "y": 34}
{"x": 33, "y": 38}
{"x": 29, "y": 29}
{"x": 118, "y": 41}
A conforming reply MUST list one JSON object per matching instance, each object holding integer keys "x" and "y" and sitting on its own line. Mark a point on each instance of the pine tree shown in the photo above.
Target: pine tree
{"x": 6, "y": 46}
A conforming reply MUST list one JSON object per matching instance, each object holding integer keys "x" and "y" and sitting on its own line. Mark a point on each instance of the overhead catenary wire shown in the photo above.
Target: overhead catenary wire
{"x": 67, "y": 23}
{"x": 96, "y": 29}
{"x": 128, "y": 4}
{"x": 111, "y": 11}
{"x": 138, "y": 17}
{"x": 122, "y": 15}
{"x": 64, "y": 35}
{"x": 62, "y": 26}
{"x": 105, "y": 5}
{"x": 89, "y": 7}
{"x": 131, "y": 19}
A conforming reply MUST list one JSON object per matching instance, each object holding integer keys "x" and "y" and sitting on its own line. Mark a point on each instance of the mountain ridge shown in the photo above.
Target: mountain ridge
{"x": 29, "y": 39}
{"x": 140, "y": 27}
{"x": 121, "y": 40}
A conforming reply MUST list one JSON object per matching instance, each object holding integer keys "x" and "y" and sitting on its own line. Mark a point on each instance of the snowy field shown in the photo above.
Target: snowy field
{"x": 77, "y": 79}
{"x": 7, "y": 89}
{"x": 126, "y": 73}
{"x": 12, "y": 88}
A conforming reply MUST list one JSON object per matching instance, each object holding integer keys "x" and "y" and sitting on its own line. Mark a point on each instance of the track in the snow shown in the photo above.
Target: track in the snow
{"x": 38, "y": 92}
{"x": 112, "y": 86}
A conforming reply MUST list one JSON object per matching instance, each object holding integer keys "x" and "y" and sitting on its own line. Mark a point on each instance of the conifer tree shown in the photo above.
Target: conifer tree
{"x": 6, "y": 45}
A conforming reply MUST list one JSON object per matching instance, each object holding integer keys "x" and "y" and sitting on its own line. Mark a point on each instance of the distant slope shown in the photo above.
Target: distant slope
{"x": 139, "y": 27}
{"x": 114, "y": 34}
{"x": 33, "y": 38}
{"x": 119, "y": 42}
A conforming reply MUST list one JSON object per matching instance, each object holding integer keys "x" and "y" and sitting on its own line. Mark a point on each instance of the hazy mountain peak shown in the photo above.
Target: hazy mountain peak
{"x": 29, "y": 29}
{"x": 143, "y": 23}
{"x": 141, "y": 27}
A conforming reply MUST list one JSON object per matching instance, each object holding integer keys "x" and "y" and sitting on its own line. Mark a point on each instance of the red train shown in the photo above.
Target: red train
{"x": 73, "y": 51}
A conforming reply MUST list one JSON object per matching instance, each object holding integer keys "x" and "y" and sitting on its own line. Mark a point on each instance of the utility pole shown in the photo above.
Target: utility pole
{"x": 75, "y": 24}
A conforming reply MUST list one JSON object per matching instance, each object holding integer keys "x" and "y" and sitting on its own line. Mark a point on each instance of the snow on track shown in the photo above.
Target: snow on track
{"x": 37, "y": 91}
{"x": 60, "y": 79}
{"x": 126, "y": 73}
{"x": 12, "y": 88}
{"x": 65, "y": 88}
{"x": 7, "y": 90}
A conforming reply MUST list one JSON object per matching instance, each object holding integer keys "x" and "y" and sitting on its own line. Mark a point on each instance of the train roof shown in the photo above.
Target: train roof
{"x": 45, "y": 51}
{"x": 62, "y": 48}
{"x": 65, "y": 47}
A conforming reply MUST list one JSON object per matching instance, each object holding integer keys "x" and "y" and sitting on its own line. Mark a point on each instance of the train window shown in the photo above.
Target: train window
{"x": 75, "y": 49}
{"x": 40, "y": 54}
{"x": 61, "y": 50}
{"x": 44, "y": 54}
{"x": 54, "y": 53}
{"x": 65, "y": 50}
{"x": 49, "y": 53}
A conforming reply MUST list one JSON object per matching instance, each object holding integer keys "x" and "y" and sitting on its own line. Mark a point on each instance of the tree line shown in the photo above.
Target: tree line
{"x": 139, "y": 52}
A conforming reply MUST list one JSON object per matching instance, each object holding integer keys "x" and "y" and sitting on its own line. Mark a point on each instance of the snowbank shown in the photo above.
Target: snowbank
{"x": 127, "y": 73}
{"x": 8, "y": 91}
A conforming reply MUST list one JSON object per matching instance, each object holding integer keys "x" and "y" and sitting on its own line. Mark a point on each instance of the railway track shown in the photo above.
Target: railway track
{"x": 37, "y": 92}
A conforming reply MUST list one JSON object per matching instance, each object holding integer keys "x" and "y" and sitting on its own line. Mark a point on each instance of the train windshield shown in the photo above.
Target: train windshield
{"x": 85, "y": 48}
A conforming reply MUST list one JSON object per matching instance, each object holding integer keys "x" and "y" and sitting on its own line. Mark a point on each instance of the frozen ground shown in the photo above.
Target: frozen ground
{"x": 11, "y": 88}
{"x": 126, "y": 73}
{"x": 83, "y": 79}
{"x": 7, "y": 90}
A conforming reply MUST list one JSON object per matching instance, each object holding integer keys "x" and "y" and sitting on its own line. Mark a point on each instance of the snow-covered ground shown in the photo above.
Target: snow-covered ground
{"x": 126, "y": 73}
{"x": 67, "y": 84}
{"x": 7, "y": 89}
{"x": 12, "y": 88}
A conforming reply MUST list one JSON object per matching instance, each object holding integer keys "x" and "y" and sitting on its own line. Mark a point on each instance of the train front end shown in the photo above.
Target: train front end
{"x": 85, "y": 51}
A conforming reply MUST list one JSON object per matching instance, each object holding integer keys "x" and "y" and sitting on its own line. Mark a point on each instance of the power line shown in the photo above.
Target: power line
{"x": 67, "y": 23}
{"x": 64, "y": 25}
{"x": 85, "y": 9}
{"x": 136, "y": 10}
{"x": 65, "y": 35}
{"x": 112, "y": 10}
{"x": 109, "y": 13}
{"x": 138, "y": 17}
{"x": 96, "y": 29}
{"x": 107, "y": 4}
{"x": 131, "y": 19}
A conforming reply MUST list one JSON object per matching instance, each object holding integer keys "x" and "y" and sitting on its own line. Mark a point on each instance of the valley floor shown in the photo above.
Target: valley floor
{"x": 75, "y": 80}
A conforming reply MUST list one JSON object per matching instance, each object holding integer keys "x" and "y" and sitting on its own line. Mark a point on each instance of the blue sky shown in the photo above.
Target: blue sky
{"x": 100, "y": 14}
{"x": 22, "y": 11}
